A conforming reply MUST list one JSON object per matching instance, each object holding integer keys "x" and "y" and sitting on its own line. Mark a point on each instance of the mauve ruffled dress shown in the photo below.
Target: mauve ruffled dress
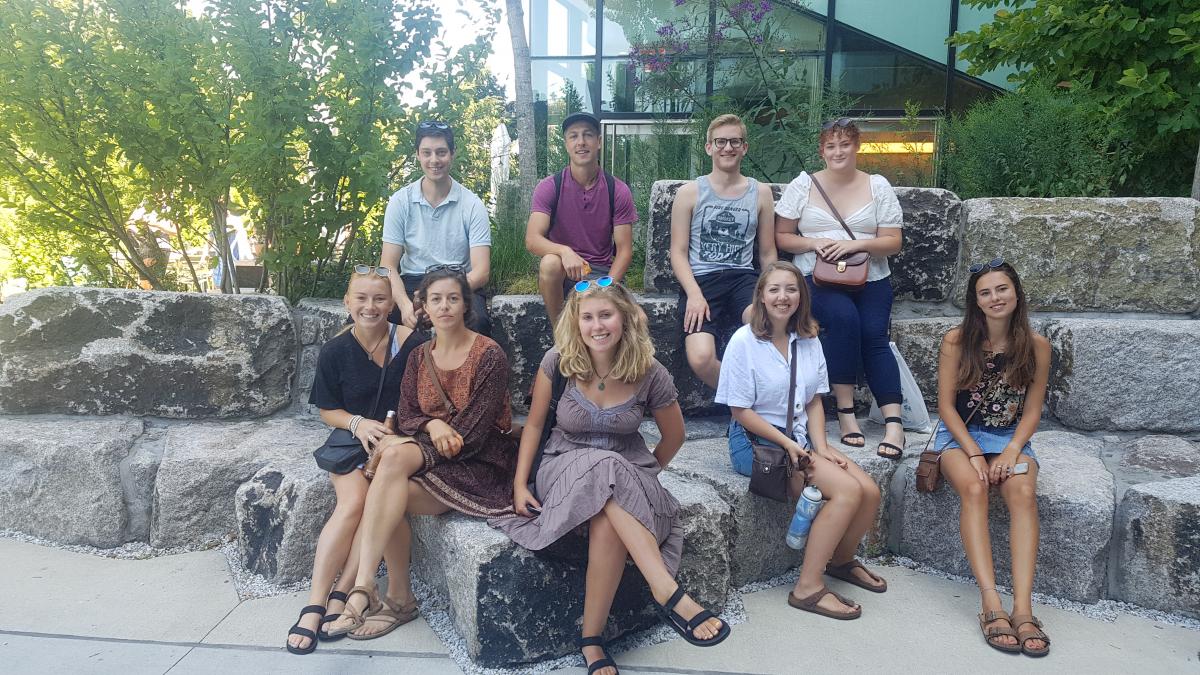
{"x": 597, "y": 454}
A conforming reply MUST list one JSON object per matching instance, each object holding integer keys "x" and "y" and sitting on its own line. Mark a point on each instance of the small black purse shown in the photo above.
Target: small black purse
{"x": 772, "y": 469}
{"x": 342, "y": 452}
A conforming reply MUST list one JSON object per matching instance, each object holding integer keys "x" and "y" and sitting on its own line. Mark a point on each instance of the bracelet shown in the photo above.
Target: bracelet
{"x": 354, "y": 424}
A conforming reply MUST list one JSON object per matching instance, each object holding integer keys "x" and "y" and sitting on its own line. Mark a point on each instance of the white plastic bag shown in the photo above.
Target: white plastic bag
{"x": 912, "y": 408}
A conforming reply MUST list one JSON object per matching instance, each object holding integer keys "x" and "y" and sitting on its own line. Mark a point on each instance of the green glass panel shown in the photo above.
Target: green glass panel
{"x": 920, "y": 26}
{"x": 884, "y": 77}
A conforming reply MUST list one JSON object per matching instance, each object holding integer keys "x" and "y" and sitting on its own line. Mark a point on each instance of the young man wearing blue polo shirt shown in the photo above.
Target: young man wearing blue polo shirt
{"x": 435, "y": 222}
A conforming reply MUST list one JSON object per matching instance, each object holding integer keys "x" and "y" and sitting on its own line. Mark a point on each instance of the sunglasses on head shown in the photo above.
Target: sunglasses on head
{"x": 840, "y": 123}
{"x": 602, "y": 282}
{"x": 366, "y": 269}
{"x": 441, "y": 126}
{"x": 453, "y": 267}
{"x": 991, "y": 265}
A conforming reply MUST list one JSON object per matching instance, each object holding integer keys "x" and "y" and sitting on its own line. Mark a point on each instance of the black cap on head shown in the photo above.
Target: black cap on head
{"x": 575, "y": 118}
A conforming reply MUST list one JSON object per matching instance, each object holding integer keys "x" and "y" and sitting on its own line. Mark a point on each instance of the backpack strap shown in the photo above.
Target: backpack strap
{"x": 558, "y": 181}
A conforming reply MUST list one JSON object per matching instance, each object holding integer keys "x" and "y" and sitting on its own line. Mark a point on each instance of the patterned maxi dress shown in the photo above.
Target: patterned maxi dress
{"x": 478, "y": 481}
{"x": 597, "y": 454}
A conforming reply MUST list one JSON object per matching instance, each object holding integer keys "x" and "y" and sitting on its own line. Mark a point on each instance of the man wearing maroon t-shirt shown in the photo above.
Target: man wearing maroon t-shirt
{"x": 577, "y": 229}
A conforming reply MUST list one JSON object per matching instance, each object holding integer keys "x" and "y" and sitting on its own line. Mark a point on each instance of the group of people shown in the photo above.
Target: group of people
{"x": 419, "y": 333}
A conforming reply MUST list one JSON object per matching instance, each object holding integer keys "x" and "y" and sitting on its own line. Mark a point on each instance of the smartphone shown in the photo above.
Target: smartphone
{"x": 1022, "y": 467}
{"x": 534, "y": 510}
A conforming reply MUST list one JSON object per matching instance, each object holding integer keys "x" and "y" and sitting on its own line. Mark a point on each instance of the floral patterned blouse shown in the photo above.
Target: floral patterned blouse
{"x": 1001, "y": 402}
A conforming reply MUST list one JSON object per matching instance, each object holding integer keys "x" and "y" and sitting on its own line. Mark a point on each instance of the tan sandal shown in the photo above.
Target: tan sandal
{"x": 354, "y": 616}
{"x": 396, "y": 616}
{"x": 990, "y": 633}
{"x": 845, "y": 572}
{"x": 809, "y": 604}
{"x": 1034, "y": 633}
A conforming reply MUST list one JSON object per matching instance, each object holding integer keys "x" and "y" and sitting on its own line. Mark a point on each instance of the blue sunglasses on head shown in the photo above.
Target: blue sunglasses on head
{"x": 991, "y": 265}
{"x": 602, "y": 282}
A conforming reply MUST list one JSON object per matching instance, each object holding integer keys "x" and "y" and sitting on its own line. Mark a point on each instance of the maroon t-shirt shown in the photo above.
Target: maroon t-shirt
{"x": 582, "y": 219}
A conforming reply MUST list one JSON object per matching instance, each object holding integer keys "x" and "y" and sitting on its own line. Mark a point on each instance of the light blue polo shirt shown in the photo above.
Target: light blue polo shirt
{"x": 441, "y": 235}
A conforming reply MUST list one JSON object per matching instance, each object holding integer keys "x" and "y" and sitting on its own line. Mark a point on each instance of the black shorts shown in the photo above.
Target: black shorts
{"x": 728, "y": 293}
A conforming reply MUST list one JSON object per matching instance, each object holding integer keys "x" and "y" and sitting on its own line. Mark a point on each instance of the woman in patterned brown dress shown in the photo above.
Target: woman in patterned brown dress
{"x": 597, "y": 470}
{"x": 451, "y": 452}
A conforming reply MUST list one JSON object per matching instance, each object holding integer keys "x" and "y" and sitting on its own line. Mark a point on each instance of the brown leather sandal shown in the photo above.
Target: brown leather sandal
{"x": 1034, "y": 633}
{"x": 357, "y": 618}
{"x": 990, "y": 633}
{"x": 809, "y": 604}
{"x": 845, "y": 572}
{"x": 396, "y": 616}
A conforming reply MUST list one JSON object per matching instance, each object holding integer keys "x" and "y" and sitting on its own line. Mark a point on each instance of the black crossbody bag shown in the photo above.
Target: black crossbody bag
{"x": 342, "y": 452}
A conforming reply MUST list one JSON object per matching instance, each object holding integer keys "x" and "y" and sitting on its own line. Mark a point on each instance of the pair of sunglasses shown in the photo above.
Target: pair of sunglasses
{"x": 991, "y": 265}
{"x": 840, "y": 123}
{"x": 379, "y": 270}
{"x": 440, "y": 126}
{"x": 453, "y": 267}
{"x": 602, "y": 282}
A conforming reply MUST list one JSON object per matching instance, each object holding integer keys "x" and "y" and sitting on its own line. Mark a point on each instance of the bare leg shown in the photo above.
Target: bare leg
{"x": 973, "y": 527}
{"x": 1020, "y": 495}
{"x": 333, "y": 545}
{"x": 843, "y": 497}
{"x": 843, "y": 395}
{"x": 862, "y": 521}
{"x": 643, "y": 548}
{"x": 606, "y": 563}
{"x": 550, "y": 283}
{"x": 701, "y": 349}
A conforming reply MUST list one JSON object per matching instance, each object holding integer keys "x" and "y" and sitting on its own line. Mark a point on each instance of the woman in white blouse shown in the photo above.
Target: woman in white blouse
{"x": 755, "y": 372}
{"x": 854, "y": 325}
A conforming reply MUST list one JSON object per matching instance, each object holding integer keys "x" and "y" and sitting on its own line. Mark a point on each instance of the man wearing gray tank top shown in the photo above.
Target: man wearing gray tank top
{"x": 715, "y": 225}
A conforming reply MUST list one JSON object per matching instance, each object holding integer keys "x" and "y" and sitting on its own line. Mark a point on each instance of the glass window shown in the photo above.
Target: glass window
{"x": 561, "y": 28}
{"x": 967, "y": 92}
{"x": 920, "y": 26}
{"x": 628, "y": 22}
{"x": 669, "y": 87}
{"x": 883, "y": 77}
{"x": 791, "y": 31}
{"x": 563, "y": 84}
{"x": 903, "y": 151}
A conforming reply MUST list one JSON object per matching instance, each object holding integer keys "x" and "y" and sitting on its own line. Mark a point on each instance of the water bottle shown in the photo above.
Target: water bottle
{"x": 806, "y": 509}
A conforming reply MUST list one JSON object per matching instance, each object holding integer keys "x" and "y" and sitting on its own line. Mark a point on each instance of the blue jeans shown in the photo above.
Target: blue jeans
{"x": 854, "y": 336}
{"x": 741, "y": 454}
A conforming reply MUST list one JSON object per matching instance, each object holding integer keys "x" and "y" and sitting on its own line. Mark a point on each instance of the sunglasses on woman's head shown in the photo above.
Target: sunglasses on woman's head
{"x": 602, "y": 282}
{"x": 991, "y": 265}
{"x": 840, "y": 123}
{"x": 366, "y": 269}
{"x": 433, "y": 125}
{"x": 454, "y": 267}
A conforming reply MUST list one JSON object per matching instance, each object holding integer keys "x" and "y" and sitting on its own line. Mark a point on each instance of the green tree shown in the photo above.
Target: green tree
{"x": 1142, "y": 58}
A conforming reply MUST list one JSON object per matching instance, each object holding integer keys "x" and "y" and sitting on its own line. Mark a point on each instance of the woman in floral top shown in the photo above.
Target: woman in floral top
{"x": 992, "y": 375}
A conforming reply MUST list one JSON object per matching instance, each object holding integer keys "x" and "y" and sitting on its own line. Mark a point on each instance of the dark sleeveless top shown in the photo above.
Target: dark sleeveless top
{"x": 1001, "y": 402}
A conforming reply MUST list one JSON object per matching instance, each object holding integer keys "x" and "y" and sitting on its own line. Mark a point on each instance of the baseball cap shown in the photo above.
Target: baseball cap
{"x": 574, "y": 118}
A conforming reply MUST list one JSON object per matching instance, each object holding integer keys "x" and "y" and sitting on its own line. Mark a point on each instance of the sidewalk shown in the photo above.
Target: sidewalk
{"x": 74, "y": 613}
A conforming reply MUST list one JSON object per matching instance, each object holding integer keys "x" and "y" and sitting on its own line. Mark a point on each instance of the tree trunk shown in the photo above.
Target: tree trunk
{"x": 526, "y": 133}
{"x": 1196, "y": 177}
{"x": 220, "y": 215}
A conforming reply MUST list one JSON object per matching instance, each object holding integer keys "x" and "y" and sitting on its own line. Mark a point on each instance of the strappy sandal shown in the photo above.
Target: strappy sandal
{"x": 330, "y": 618}
{"x": 845, "y": 572}
{"x": 852, "y": 435}
{"x": 1034, "y": 633}
{"x": 603, "y": 662}
{"x": 304, "y": 632}
{"x": 809, "y": 604}
{"x": 397, "y": 615}
{"x": 894, "y": 452}
{"x": 357, "y": 618}
{"x": 686, "y": 628}
{"x": 990, "y": 633}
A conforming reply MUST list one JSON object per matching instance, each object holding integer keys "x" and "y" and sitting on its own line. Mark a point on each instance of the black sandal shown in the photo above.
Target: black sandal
{"x": 686, "y": 628}
{"x": 898, "y": 451}
{"x": 853, "y": 435}
{"x": 304, "y": 632}
{"x": 604, "y": 662}
{"x": 330, "y": 618}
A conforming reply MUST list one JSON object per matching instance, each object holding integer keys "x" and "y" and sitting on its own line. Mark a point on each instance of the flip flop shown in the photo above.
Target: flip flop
{"x": 1035, "y": 633}
{"x": 686, "y": 627}
{"x": 993, "y": 632}
{"x": 845, "y": 572}
{"x": 397, "y": 615}
{"x": 330, "y": 618}
{"x": 809, "y": 604}
{"x": 304, "y": 632}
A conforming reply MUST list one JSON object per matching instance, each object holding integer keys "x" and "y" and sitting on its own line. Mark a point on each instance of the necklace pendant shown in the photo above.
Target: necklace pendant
{"x": 600, "y": 386}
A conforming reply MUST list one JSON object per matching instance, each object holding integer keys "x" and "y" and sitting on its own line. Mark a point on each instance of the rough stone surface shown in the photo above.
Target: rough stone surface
{"x": 317, "y": 320}
{"x": 1075, "y": 507}
{"x": 138, "y": 473}
{"x": 110, "y": 351}
{"x": 1111, "y": 255}
{"x": 60, "y": 477}
{"x": 1174, "y": 456}
{"x": 1125, "y": 374}
{"x": 280, "y": 513}
{"x": 493, "y": 585}
{"x": 203, "y": 466}
{"x": 923, "y": 270}
{"x": 1158, "y": 546}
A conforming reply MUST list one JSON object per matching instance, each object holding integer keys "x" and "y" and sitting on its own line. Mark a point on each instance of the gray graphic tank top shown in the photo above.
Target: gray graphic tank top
{"x": 723, "y": 230}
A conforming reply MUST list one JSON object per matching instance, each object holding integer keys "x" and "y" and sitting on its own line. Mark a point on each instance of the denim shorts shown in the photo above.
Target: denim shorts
{"x": 741, "y": 454}
{"x": 991, "y": 440}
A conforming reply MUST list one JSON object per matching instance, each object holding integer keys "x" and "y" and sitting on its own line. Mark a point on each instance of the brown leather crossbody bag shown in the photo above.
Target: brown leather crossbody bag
{"x": 848, "y": 273}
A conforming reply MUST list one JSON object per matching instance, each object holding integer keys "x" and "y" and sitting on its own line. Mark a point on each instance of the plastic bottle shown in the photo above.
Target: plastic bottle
{"x": 806, "y": 510}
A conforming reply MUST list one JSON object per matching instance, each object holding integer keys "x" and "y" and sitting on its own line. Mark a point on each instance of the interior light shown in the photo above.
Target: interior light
{"x": 896, "y": 148}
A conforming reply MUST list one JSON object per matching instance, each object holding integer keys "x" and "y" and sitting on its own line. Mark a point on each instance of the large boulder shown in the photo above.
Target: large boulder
{"x": 1075, "y": 254}
{"x": 1075, "y": 510}
{"x": 60, "y": 477}
{"x": 109, "y": 351}
{"x": 280, "y": 513}
{"x": 1158, "y": 546}
{"x": 317, "y": 320}
{"x": 1173, "y": 456}
{"x": 1125, "y": 374}
{"x": 494, "y": 586}
{"x": 203, "y": 466}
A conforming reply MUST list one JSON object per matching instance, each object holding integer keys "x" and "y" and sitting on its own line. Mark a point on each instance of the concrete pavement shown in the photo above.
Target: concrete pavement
{"x": 74, "y": 613}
